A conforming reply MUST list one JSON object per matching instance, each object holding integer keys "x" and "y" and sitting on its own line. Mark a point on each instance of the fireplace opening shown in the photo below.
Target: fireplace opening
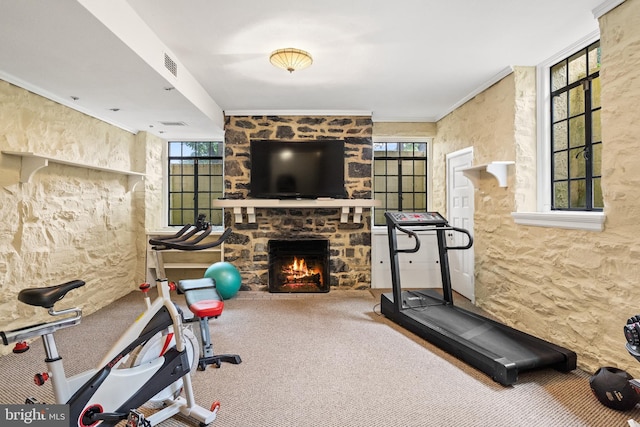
{"x": 299, "y": 265}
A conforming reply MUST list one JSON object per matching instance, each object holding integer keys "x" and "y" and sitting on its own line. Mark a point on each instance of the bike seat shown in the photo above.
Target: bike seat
{"x": 47, "y": 296}
{"x": 202, "y": 297}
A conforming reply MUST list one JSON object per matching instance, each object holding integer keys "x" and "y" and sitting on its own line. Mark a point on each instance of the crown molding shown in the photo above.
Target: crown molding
{"x": 297, "y": 113}
{"x": 493, "y": 80}
{"x": 395, "y": 119}
{"x": 385, "y": 138}
{"x": 605, "y": 7}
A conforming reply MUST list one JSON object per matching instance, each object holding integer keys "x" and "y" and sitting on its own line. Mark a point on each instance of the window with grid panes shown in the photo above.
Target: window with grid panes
{"x": 195, "y": 180}
{"x": 576, "y": 140}
{"x": 399, "y": 177}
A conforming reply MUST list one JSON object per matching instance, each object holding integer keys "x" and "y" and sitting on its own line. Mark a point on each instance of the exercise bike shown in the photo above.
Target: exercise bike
{"x": 151, "y": 362}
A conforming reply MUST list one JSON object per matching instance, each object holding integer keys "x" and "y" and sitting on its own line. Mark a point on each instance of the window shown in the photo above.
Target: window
{"x": 399, "y": 177}
{"x": 195, "y": 180}
{"x": 549, "y": 170}
{"x": 576, "y": 142}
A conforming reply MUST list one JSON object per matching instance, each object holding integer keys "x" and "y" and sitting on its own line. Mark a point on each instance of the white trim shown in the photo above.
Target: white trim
{"x": 396, "y": 119}
{"x": 572, "y": 220}
{"x": 297, "y": 113}
{"x": 543, "y": 121}
{"x": 165, "y": 183}
{"x": 605, "y": 7}
{"x": 493, "y": 80}
{"x": 461, "y": 152}
{"x": 590, "y": 221}
{"x": 385, "y": 138}
{"x": 467, "y": 259}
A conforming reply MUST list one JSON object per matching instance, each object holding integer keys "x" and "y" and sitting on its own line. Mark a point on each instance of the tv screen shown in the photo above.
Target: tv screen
{"x": 289, "y": 169}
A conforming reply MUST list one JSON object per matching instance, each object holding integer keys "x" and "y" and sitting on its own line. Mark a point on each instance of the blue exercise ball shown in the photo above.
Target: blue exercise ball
{"x": 227, "y": 278}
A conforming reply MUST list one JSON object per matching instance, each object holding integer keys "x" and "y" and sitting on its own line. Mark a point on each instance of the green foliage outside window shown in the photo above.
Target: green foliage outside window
{"x": 576, "y": 132}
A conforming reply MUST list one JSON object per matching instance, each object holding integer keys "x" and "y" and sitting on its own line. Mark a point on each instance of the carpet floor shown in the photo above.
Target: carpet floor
{"x": 329, "y": 360}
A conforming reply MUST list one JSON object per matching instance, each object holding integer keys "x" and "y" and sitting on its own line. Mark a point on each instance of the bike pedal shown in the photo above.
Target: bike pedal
{"x": 137, "y": 419}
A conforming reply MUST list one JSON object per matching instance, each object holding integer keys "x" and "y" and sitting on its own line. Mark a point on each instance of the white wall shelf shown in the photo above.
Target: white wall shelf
{"x": 32, "y": 162}
{"x": 249, "y": 206}
{"x": 498, "y": 169}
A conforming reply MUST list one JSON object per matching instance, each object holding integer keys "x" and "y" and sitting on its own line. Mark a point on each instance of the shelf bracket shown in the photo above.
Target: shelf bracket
{"x": 237, "y": 213}
{"x": 31, "y": 165}
{"x": 251, "y": 214}
{"x": 498, "y": 169}
{"x": 134, "y": 180}
{"x": 357, "y": 214}
{"x": 344, "y": 216}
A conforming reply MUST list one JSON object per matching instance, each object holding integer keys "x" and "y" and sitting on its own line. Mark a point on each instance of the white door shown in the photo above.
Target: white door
{"x": 460, "y": 208}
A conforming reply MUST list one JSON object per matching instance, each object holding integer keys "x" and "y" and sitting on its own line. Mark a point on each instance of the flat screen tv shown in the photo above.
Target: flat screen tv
{"x": 292, "y": 169}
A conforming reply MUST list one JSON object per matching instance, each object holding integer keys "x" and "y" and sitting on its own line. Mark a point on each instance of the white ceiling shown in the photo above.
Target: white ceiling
{"x": 404, "y": 60}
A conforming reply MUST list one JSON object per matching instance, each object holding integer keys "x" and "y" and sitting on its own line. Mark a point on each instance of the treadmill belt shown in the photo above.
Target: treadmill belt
{"x": 504, "y": 342}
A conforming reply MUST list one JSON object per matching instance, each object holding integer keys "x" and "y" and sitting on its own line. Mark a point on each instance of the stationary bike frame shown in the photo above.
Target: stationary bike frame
{"x": 106, "y": 395}
{"x": 113, "y": 390}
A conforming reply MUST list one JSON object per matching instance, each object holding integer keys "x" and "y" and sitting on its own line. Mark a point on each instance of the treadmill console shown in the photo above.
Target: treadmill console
{"x": 416, "y": 218}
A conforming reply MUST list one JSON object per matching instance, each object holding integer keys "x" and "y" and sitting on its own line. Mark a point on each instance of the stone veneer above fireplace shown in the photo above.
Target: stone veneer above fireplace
{"x": 349, "y": 243}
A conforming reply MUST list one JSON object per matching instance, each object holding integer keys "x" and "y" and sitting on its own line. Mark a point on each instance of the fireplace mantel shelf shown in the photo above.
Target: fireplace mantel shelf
{"x": 250, "y": 206}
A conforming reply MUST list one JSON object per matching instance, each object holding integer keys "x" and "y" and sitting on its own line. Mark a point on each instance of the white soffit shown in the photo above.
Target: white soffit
{"x": 124, "y": 22}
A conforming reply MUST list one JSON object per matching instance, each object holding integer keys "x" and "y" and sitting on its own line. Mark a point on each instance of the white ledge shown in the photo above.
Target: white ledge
{"x": 31, "y": 163}
{"x": 590, "y": 221}
{"x": 250, "y": 205}
{"x": 497, "y": 169}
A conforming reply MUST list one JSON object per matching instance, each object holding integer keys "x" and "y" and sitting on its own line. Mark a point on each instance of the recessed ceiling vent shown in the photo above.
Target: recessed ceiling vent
{"x": 173, "y": 123}
{"x": 170, "y": 65}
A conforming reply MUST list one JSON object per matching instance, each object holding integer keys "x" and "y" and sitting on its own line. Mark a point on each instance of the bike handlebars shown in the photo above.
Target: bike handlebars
{"x": 184, "y": 242}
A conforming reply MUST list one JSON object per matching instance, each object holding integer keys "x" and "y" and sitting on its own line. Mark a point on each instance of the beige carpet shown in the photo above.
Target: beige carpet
{"x": 331, "y": 360}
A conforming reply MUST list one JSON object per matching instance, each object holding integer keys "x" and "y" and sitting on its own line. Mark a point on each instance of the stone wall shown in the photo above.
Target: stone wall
{"x": 70, "y": 222}
{"x": 350, "y": 244}
{"x": 575, "y": 288}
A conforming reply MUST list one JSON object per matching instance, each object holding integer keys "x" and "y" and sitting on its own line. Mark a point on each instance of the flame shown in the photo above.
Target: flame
{"x": 300, "y": 266}
{"x": 298, "y": 269}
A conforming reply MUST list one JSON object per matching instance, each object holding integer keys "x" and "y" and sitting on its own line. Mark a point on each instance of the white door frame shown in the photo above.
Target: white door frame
{"x": 469, "y": 253}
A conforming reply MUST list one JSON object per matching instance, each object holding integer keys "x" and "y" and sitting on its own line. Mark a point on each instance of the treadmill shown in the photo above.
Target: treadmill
{"x": 492, "y": 347}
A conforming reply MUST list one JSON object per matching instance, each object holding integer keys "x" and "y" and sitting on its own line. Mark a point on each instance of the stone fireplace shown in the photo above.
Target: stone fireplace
{"x": 299, "y": 265}
{"x": 349, "y": 241}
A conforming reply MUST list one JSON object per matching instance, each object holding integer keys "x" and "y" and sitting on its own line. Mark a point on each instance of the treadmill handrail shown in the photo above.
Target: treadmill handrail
{"x": 464, "y": 231}
{"x": 415, "y": 237}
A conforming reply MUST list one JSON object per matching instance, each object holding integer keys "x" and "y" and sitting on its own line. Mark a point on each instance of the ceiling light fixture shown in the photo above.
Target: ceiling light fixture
{"x": 291, "y": 59}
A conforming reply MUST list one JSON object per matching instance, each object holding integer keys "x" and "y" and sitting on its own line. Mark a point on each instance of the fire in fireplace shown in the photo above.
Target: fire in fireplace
{"x": 300, "y": 265}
